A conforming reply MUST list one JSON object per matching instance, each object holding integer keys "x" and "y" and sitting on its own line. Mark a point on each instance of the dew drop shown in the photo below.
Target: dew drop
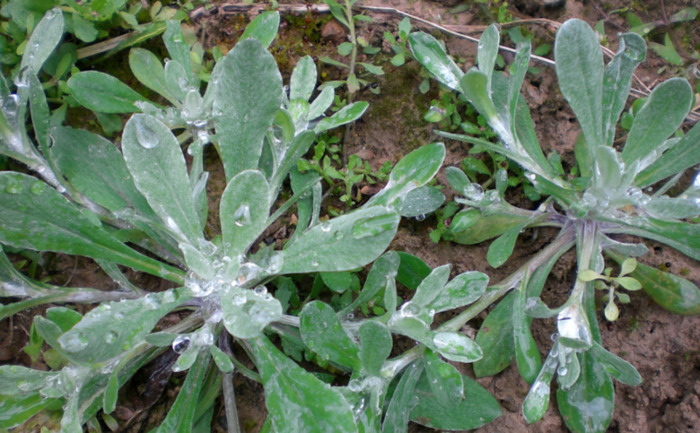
{"x": 260, "y": 291}
{"x": 239, "y": 299}
{"x": 338, "y": 235}
{"x": 37, "y": 187}
{"x": 111, "y": 337}
{"x": 146, "y": 136}
{"x": 181, "y": 344}
{"x": 314, "y": 263}
{"x": 75, "y": 342}
{"x": 325, "y": 227}
{"x": 562, "y": 370}
{"x": 420, "y": 217}
{"x": 241, "y": 216}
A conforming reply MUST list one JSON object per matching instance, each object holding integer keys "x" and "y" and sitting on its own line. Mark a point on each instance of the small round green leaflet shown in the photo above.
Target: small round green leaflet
{"x": 247, "y": 312}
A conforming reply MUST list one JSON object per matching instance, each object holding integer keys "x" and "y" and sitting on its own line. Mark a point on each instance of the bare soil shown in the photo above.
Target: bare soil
{"x": 665, "y": 348}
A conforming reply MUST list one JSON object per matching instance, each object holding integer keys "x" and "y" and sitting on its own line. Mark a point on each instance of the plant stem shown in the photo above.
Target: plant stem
{"x": 233, "y": 425}
{"x": 564, "y": 241}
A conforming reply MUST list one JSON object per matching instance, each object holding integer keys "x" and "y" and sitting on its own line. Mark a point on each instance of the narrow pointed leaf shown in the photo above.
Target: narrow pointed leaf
{"x": 322, "y": 332}
{"x": 103, "y": 93}
{"x": 617, "y": 81}
{"x": 35, "y": 216}
{"x": 247, "y": 96}
{"x": 347, "y": 114}
{"x": 684, "y": 237}
{"x": 148, "y": 69}
{"x": 683, "y": 155}
{"x": 429, "y": 53}
{"x": 108, "y": 330}
{"x": 587, "y": 406}
{"x": 580, "y": 72}
{"x": 616, "y": 366}
{"x": 527, "y": 354}
{"x": 245, "y": 206}
{"x": 343, "y": 243}
{"x": 158, "y": 167}
{"x": 488, "y": 51}
{"x": 181, "y": 416}
{"x": 457, "y": 347}
{"x": 39, "y": 108}
{"x": 473, "y": 85}
{"x": 402, "y": 402}
{"x": 43, "y": 40}
{"x": 412, "y": 171}
{"x": 662, "y": 113}
{"x": 431, "y": 286}
{"x": 296, "y": 400}
{"x": 178, "y": 49}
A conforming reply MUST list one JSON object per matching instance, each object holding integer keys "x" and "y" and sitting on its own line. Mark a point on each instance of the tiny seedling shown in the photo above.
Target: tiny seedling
{"x": 613, "y": 192}
{"x": 144, "y": 208}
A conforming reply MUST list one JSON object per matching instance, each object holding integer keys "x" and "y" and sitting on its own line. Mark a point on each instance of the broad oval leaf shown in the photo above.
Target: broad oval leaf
{"x": 579, "y": 64}
{"x": 103, "y": 93}
{"x": 95, "y": 167}
{"x": 296, "y": 400}
{"x": 322, "y": 333}
{"x": 431, "y": 286}
{"x": 429, "y": 53}
{"x": 462, "y": 290}
{"x": 495, "y": 337}
{"x": 303, "y": 80}
{"x": 247, "y": 312}
{"x": 420, "y": 201}
{"x": 158, "y": 167}
{"x": 440, "y": 410}
{"x": 675, "y": 294}
{"x": 108, "y": 330}
{"x": 457, "y": 347}
{"x": 343, "y": 243}
{"x": 247, "y": 95}
{"x": 501, "y": 249}
{"x": 263, "y": 28}
{"x": 245, "y": 206}
{"x": 375, "y": 346}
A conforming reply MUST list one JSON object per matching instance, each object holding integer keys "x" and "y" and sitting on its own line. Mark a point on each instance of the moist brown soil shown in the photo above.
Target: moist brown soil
{"x": 665, "y": 348}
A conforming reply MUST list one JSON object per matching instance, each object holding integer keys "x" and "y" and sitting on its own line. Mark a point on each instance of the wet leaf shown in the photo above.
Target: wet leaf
{"x": 296, "y": 400}
{"x": 181, "y": 416}
{"x": 35, "y": 216}
{"x": 412, "y": 270}
{"x": 662, "y": 113}
{"x": 114, "y": 327}
{"x": 502, "y": 248}
{"x": 457, "y": 347}
{"x": 587, "y": 407}
{"x": 263, "y": 28}
{"x": 420, "y": 201}
{"x": 179, "y": 50}
{"x": 247, "y": 312}
{"x": 431, "y": 286}
{"x": 429, "y": 53}
{"x": 579, "y": 64}
{"x": 15, "y": 410}
{"x": 103, "y": 93}
{"x": 440, "y": 409}
{"x": 343, "y": 243}
{"x": 95, "y": 167}
{"x": 683, "y": 155}
{"x": 462, "y": 290}
{"x": 527, "y": 354}
{"x": 412, "y": 171}
{"x": 375, "y": 346}
{"x": 303, "y": 80}
{"x": 158, "y": 167}
{"x": 617, "y": 81}
{"x": 488, "y": 51}
{"x": 247, "y": 95}
{"x": 402, "y": 403}
{"x": 383, "y": 270}
{"x": 322, "y": 332}
{"x": 245, "y": 206}
{"x": 44, "y": 38}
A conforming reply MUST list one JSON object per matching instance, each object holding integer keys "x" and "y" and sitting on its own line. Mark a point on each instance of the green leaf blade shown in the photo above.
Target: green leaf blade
{"x": 323, "y": 333}
{"x": 245, "y": 206}
{"x": 580, "y": 71}
{"x": 427, "y": 50}
{"x": 103, "y": 93}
